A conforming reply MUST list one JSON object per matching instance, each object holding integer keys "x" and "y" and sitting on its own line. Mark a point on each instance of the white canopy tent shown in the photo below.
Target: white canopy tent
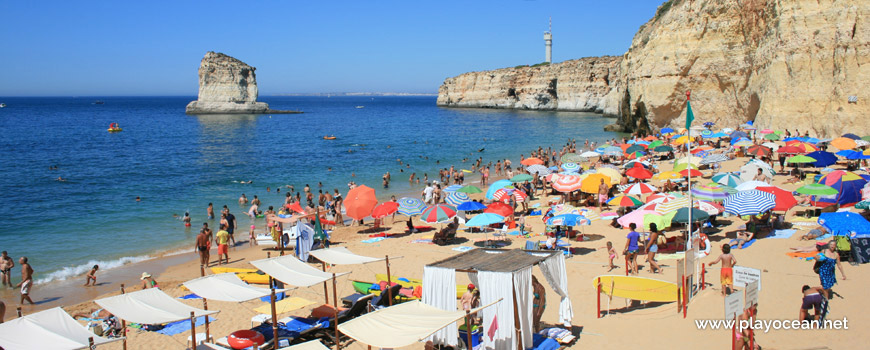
{"x": 309, "y": 345}
{"x": 226, "y": 287}
{"x": 49, "y": 329}
{"x": 342, "y": 256}
{"x": 290, "y": 270}
{"x": 149, "y": 306}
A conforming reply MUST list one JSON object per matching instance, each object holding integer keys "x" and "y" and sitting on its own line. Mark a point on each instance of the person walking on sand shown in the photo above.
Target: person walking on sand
{"x": 652, "y": 247}
{"x": 6, "y": 265}
{"x": 631, "y": 247}
{"x": 611, "y": 254}
{"x": 92, "y": 276}
{"x": 826, "y": 260}
{"x": 202, "y": 247}
{"x": 221, "y": 238}
{"x": 26, "y": 280}
{"x": 602, "y": 193}
{"x": 726, "y": 276}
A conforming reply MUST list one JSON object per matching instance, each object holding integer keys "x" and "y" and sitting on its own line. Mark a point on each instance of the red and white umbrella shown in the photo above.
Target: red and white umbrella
{"x": 639, "y": 189}
{"x": 552, "y": 177}
{"x": 711, "y": 208}
{"x": 504, "y": 195}
{"x": 567, "y": 183}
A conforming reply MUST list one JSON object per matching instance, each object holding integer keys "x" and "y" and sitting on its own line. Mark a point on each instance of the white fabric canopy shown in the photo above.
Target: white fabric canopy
{"x": 309, "y": 345}
{"x": 523, "y": 291}
{"x": 341, "y": 256}
{"x": 149, "y": 306}
{"x": 49, "y": 329}
{"x": 400, "y": 325}
{"x": 553, "y": 269}
{"x": 226, "y": 287}
{"x": 291, "y": 271}
{"x": 439, "y": 291}
{"x": 494, "y": 286}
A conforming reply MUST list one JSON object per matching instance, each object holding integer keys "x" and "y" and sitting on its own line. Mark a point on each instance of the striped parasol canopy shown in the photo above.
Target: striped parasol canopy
{"x": 567, "y": 183}
{"x": 568, "y": 220}
{"x": 661, "y": 197}
{"x": 411, "y": 206}
{"x": 759, "y": 151}
{"x": 539, "y": 169}
{"x": 714, "y": 158}
{"x": 749, "y": 202}
{"x": 571, "y": 167}
{"x": 709, "y": 207}
{"x": 438, "y": 213}
{"x": 457, "y": 198}
{"x": 709, "y": 192}
{"x": 671, "y": 205}
{"x": 504, "y": 195}
{"x": 624, "y": 201}
{"x": 727, "y": 179}
{"x": 635, "y": 217}
{"x": 640, "y": 188}
{"x": 451, "y": 188}
{"x": 590, "y": 154}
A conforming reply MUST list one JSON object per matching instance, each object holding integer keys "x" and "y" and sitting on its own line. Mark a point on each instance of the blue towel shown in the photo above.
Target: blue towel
{"x": 782, "y": 234}
{"x": 268, "y": 298}
{"x": 183, "y": 326}
{"x": 514, "y": 233}
{"x": 745, "y": 244}
{"x": 190, "y": 296}
{"x": 824, "y": 237}
{"x": 463, "y": 249}
{"x": 374, "y": 240}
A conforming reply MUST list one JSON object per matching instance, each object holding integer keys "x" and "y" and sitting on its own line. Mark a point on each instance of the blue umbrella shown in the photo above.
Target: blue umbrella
{"x": 822, "y": 158}
{"x": 812, "y": 140}
{"x": 736, "y": 140}
{"x": 574, "y": 167}
{"x": 568, "y": 220}
{"x": 719, "y": 134}
{"x": 749, "y": 202}
{"x": 497, "y": 186}
{"x": 727, "y": 179}
{"x": 484, "y": 219}
{"x": 709, "y": 124}
{"x": 845, "y": 223}
{"x": 451, "y": 188}
{"x": 456, "y": 198}
{"x": 667, "y": 130}
{"x": 471, "y": 206}
{"x": 853, "y": 155}
{"x": 738, "y": 134}
{"x": 410, "y": 206}
{"x": 706, "y": 134}
{"x": 852, "y": 136}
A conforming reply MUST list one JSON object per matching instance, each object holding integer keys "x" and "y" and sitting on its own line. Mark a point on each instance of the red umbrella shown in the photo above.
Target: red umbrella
{"x": 385, "y": 209}
{"x": 499, "y": 208}
{"x": 531, "y": 161}
{"x": 790, "y": 150}
{"x": 639, "y": 172}
{"x": 295, "y": 207}
{"x": 694, "y": 172}
{"x": 759, "y": 151}
{"x": 784, "y": 199}
{"x": 360, "y": 202}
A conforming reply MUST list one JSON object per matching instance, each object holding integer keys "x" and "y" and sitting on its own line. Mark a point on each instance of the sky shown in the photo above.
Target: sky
{"x": 153, "y": 48}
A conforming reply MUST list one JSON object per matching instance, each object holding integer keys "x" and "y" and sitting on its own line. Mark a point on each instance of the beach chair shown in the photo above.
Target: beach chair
{"x": 532, "y": 245}
{"x": 382, "y": 300}
{"x": 328, "y": 333}
{"x": 445, "y": 236}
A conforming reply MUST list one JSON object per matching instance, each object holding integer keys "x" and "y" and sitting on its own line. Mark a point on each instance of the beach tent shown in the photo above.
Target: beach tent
{"x": 342, "y": 256}
{"x": 226, "y": 287}
{"x": 400, "y": 325}
{"x": 48, "y": 329}
{"x": 291, "y": 271}
{"x": 149, "y": 306}
{"x": 848, "y": 186}
{"x": 500, "y": 274}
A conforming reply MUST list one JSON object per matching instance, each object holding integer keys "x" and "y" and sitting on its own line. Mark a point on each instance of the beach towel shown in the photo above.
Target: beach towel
{"x": 823, "y": 237}
{"x": 423, "y": 241}
{"x": 609, "y": 216}
{"x": 463, "y": 249}
{"x": 183, "y": 326}
{"x": 190, "y": 296}
{"x": 374, "y": 240}
{"x": 671, "y": 256}
{"x": 278, "y": 297}
{"x": 286, "y": 305}
{"x": 782, "y": 234}
{"x": 514, "y": 233}
{"x": 802, "y": 255}
{"x": 745, "y": 244}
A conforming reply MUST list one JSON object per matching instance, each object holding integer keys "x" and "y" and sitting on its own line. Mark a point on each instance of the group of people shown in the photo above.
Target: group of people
{"x": 6, "y": 265}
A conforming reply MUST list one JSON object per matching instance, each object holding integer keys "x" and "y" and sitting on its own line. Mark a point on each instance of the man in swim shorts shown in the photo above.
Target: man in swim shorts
{"x": 222, "y": 238}
{"x": 6, "y": 265}
{"x": 201, "y": 247}
{"x": 812, "y": 300}
{"x": 26, "y": 280}
{"x": 231, "y": 222}
{"x": 726, "y": 276}
{"x": 603, "y": 190}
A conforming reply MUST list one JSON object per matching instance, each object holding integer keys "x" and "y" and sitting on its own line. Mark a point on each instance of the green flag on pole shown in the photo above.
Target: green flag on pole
{"x": 318, "y": 228}
{"x": 689, "y": 115}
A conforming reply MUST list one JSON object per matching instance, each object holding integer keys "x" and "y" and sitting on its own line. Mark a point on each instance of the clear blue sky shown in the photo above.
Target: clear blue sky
{"x": 74, "y": 48}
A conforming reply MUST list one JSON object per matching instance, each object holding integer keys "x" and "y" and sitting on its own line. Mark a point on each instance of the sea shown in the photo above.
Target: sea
{"x": 176, "y": 163}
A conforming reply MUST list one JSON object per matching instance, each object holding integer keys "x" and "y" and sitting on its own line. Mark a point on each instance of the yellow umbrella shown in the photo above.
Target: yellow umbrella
{"x": 615, "y": 176}
{"x": 681, "y": 140}
{"x": 844, "y": 143}
{"x": 661, "y": 221}
{"x": 668, "y": 175}
{"x": 590, "y": 183}
{"x": 684, "y": 166}
{"x": 689, "y": 159}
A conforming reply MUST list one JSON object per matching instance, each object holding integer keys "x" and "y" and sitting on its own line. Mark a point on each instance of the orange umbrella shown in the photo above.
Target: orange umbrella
{"x": 360, "y": 202}
{"x": 650, "y": 138}
{"x": 531, "y": 161}
{"x": 844, "y": 143}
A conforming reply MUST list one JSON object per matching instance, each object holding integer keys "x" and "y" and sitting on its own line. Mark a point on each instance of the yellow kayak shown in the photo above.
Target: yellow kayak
{"x": 115, "y": 130}
{"x": 248, "y": 275}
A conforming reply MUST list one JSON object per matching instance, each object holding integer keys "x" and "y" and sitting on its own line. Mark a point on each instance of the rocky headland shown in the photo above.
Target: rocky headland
{"x": 797, "y": 64}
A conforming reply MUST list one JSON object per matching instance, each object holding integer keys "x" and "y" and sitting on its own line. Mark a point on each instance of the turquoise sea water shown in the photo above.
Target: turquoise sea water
{"x": 176, "y": 162}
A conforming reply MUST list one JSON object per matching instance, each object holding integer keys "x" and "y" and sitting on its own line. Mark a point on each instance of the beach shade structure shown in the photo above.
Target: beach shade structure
{"x": 709, "y": 192}
{"x": 637, "y": 164}
{"x": 531, "y": 161}
{"x": 568, "y": 220}
{"x": 538, "y": 169}
{"x": 661, "y": 197}
{"x": 438, "y": 213}
{"x": 668, "y": 175}
{"x": 817, "y": 190}
{"x": 710, "y": 208}
{"x": 634, "y": 155}
{"x": 572, "y": 158}
{"x": 843, "y": 143}
{"x": 292, "y": 271}
{"x": 852, "y": 136}
{"x": 485, "y": 219}
{"x": 612, "y": 151}
{"x": 360, "y": 202}
{"x": 469, "y": 189}
{"x": 784, "y": 199}
{"x": 471, "y": 206}
{"x": 800, "y": 159}
{"x": 714, "y": 158}
{"x": 845, "y": 223}
{"x": 226, "y": 287}
{"x": 849, "y": 154}
{"x": 862, "y": 143}
{"x": 384, "y": 209}
{"x": 592, "y": 182}
{"x": 708, "y": 124}
{"x": 751, "y": 185}
{"x": 742, "y": 143}
{"x": 505, "y": 195}
{"x": 590, "y": 154}
{"x": 693, "y": 160}
{"x": 750, "y": 202}
{"x": 773, "y": 146}
{"x": 707, "y": 134}
{"x": 567, "y": 183}
{"x": 554, "y": 176}
{"x": 573, "y": 167}
{"x": 499, "y": 208}
{"x": 848, "y": 186}
{"x": 624, "y": 201}
{"x": 692, "y": 172}
{"x": 635, "y": 217}
{"x": 766, "y": 131}
{"x": 719, "y": 135}
{"x": 663, "y": 149}
{"x": 610, "y": 172}
{"x": 47, "y": 329}
{"x": 456, "y": 198}
{"x": 521, "y": 178}
{"x": 150, "y": 306}
{"x": 296, "y": 207}
{"x": 635, "y": 148}
{"x": 681, "y": 140}
{"x": 639, "y": 189}
{"x": 661, "y": 221}
{"x": 639, "y": 173}
{"x": 497, "y": 186}
{"x": 727, "y": 179}
{"x": 450, "y": 189}
{"x": 759, "y": 151}
{"x": 804, "y": 147}
{"x": 667, "y": 130}
{"x": 771, "y": 137}
{"x": 681, "y": 215}
{"x": 822, "y": 158}
{"x": 410, "y": 206}
{"x": 738, "y": 134}
{"x": 670, "y": 205}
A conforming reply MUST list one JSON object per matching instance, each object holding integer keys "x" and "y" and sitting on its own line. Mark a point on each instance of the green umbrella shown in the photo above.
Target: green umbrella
{"x": 683, "y": 166}
{"x": 817, "y": 190}
{"x": 771, "y": 137}
{"x": 663, "y": 148}
{"x": 661, "y": 221}
{"x": 863, "y": 205}
{"x": 866, "y": 138}
{"x": 682, "y": 215}
{"x": 470, "y": 189}
{"x": 655, "y": 144}
{"x": 801, "y": 159}
{"x": 778, "y": 132}
{"x": 572, "y": 158}
{"x": 522, "y": 177}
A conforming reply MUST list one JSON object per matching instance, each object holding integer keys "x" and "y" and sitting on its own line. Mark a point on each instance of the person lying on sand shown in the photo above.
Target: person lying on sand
{"x": 814, "y": 233}
{"x": 742, "y": 237}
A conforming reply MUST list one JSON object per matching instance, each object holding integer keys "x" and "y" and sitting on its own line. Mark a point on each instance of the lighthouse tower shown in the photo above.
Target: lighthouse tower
{"x": 548, "y": 42}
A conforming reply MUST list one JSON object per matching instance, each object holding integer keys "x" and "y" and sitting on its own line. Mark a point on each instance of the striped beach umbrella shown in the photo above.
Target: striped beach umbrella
{"x": 438, "y": 213}
{"x": 668, "y": 206}
{"x": 571, "y": 167}
{"x": 504, "y": 195}
{"x": 539, "y": 169}
{"x": 709, "y": 192}
{"x": 469, "y": 189}
{"x": 714, "y": 158}
{"x": 711, "y": 208}
{"x": 749, "y": 202}
{"x": 624, "y": 201}
{"x": 411, "y": 206}
{"x": 568, "y": 220}
{"x": 639, "y": 189}
{"x": 590, "y": 154}
{"x": 567, "y": 183}
{"x": 451, "y": 188}
{"x": 457, "y": 198}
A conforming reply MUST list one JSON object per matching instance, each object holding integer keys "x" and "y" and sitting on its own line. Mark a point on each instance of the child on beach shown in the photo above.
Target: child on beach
{"x": 611, "y": 253}
{"x": 726, "y": 277}
{"x": 92, "y": 276}
{"x": 253, "y": 237}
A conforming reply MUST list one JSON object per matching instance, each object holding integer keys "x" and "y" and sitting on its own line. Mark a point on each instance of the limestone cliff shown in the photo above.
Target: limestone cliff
{"x": 226, "y": 85}
{"x": 781, "y": 63}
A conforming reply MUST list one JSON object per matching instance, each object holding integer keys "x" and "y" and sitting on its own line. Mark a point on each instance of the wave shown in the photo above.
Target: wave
{"x": 73, "y": 271}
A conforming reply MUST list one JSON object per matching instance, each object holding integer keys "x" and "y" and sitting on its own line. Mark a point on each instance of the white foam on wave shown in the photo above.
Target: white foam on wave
{"x": 73, "y": 271}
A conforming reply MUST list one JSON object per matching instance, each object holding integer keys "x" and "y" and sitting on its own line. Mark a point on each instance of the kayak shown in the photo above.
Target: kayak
{"x": 115, "y": 129}
{"x": 365, "y": 288}
{"x": 413, "y": 283}
{"x": 248, "y": 275}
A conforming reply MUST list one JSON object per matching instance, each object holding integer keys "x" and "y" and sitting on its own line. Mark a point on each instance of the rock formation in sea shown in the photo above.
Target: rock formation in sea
{"x": 797, "y": 64}
{"x": 227, "y": 86}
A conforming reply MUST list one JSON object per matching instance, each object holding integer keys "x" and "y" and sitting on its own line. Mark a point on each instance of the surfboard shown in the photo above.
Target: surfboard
{"x": 247, "y": 275}
{"x": 637, "y": 288}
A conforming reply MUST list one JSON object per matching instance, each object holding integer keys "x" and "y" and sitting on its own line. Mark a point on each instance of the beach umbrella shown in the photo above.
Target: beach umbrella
{"x": 750, "y": 170}
{"x": 663, "y": 149}
{"x": 681, "y": 140}
{"x": 683, "y": 166}
{"x": 727, "y": 130}
{"x": 384, "y": 209}
{"x": 844, "y": 143}
{"x": 572, "y": 158}
{"x": 538, "y": 169}
{"x": 711, "y": 208}
{"x": 766, "y": 131}
{"x": 773, "y": 147}
{"x": 590, "y": 154}
{"x": 759, "y": 151}
{"x": 845, "y": 223}
{"x": 591, "y": 183}
{"x": 636, "y": 164}
{"x": 670, "y": 205}
{"x": 499, "y": 208}
{"x": 750, "y": 202}
{"x": 571, "y": 167}
{"x": 848, "y": 186}
{"x": 624, "y": 201}
{"x": 663, "y": 197}
{"x": 751, "y": 185}
{"x": 531, "y": 161}
{"x": 682, "y": 215}
{"x": 742, "y": 143}
{"x": 471, "y": 206}
{"x": 852, "y": 136}
{"x": 862, "y": 143}
{"x": 709, "y": 192}
{"x": 784, "y": 199}
{"x": 822, "y": 158}
{"x": 522, "y": 178}
{"x": 668, "y": 175}
{"x": 866, "y": 138}
{"x": 639, "y": 188}
{"x": 568, "y": 220}
{"x": 635, "y": 148}
{"x": 497, "y": 186}
{"x": 639, "y": 173}
{"x": 817, "y": 190}
{"x": 504, "y": 195}
{"x": 862, "y": 205}
{"x": 612, "y": 151}
{"x": 707, "y": 134}
{"x": 360, "y": 202}
{"x": 771, "y": 137}
{"x": 655, "y": 144}
{"x": 634, "y": 155}
{"x": 567, "y": 183}
{"x": 661, "y": 221}
{"x": 410, "y": 206}
{"x": 438, "y": 213}
{"x": 456, "y": 198}
{"x": 709, "y": 124}
{"x": 694, "y": 160}
{"x": 451, "y": 189}
{"x": 469, "y": 189}
{"x": 714, "y": 158}
{"x": 484, "y": 219}
{"x": 738, "y": 134}
{"x": 727, "y": 179}
{"x": 612, "y": 173}
{"x": 667, "y": 130}
{"x": 804, "y": 147}
{"x": 692, "y": 172}
{"x": 800, "y": 159}
{"x": 635, "y": 217}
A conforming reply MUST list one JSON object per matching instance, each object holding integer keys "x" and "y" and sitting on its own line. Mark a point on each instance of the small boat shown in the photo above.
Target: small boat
{"x": 2, "y": 105}
{"x": 115, "y": 129}
{"x": 329, "y": 137}
{"x": 98, "y": 102}
{"x": 358, "y": 107}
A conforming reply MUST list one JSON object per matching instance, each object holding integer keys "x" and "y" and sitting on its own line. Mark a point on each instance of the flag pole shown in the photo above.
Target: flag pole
{"x": 689, "y": 117}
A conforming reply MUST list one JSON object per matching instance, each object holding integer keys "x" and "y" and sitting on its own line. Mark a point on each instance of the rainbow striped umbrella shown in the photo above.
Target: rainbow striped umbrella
{"x": 668, "y": 206}
{"x": 438, "y": 213}
{"x": 709, "y": 192}
{"x": 624, "y": 201}
{"x": 411, "y": 206}
{"x": 457, "y": 198}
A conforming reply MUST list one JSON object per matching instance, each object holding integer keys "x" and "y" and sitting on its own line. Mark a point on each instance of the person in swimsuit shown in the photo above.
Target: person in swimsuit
{"x": 726, "y": 276}
{"x": 830, "y": 260}
{"x": 539, "y": 303}
{"x": 631, "y": 248}
{"x": 201, "y": 246}
{"x": 6, "y": 265}
{"x": 210, "y": 211}
{"x": 611, "y": 253}
{"x": 652, "y": 247}
{"x": 186, "y": 219}
{"x": 26, "y": 280}
{"x": 812, "y": 300}
{"x": 222, "y": 237}
{"x": 92, "y": 276}
{"x": 603, "y": 190}
{"x": 148, "y": 281}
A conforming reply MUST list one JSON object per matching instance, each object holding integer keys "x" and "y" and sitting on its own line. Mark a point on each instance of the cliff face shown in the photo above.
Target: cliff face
{"x": 583, "y": 85}
{"x": 226, "y": 85}
{"x": 782, "y": 63}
